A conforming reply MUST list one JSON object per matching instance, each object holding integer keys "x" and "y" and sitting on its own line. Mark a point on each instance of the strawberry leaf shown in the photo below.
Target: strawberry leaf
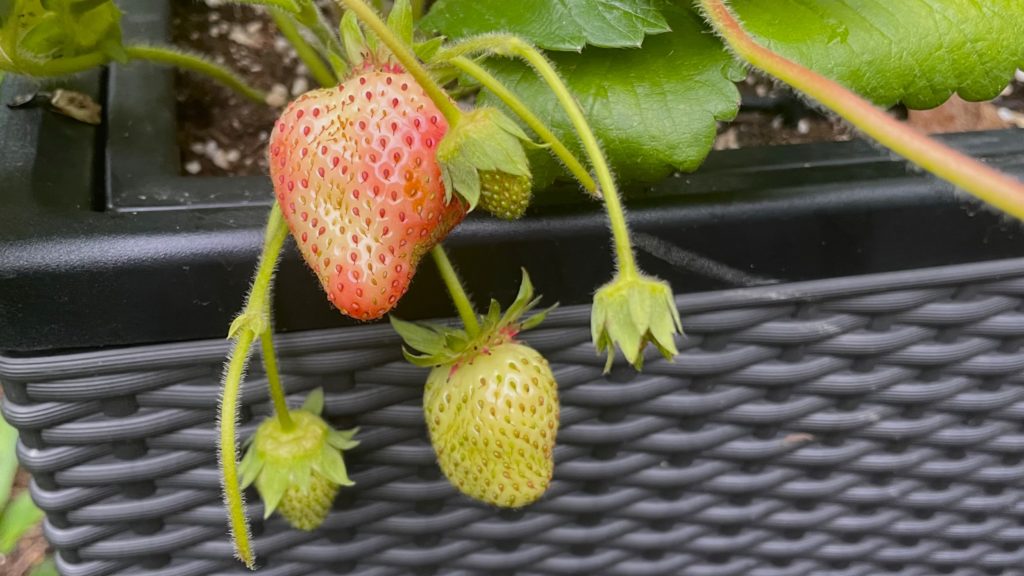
{"x": 579, "y": 22}
{"x": 654, "y": 109}
{"x": 916, "y": 51}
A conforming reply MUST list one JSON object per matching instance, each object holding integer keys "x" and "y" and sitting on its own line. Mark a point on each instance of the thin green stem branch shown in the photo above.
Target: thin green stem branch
{"x": 976, "y": 178}
{"x": 308, "y": 54}
{"x": 81, "y": 63}
{"x": 458, "y": 293}
{"x": 274, "y": 380}
{"x": 516, "y": 105}
{"x": 193, "y": 63}
{"x": 55, "y": 67}
{"x": 508, "y": 45}
{"x": 233, "y": 498}
{"x": 407, "y": 58}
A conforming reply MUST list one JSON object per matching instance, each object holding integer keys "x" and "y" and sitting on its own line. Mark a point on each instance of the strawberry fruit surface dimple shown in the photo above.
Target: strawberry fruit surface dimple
{"x": 355, "y": 172}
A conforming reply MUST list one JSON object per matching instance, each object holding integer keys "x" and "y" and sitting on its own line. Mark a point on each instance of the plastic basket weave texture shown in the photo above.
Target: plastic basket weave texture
{"x": 853, "y": 426}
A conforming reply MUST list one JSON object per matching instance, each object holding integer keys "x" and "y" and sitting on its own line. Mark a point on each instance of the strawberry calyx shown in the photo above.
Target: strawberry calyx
{"x": 286, "y": 464}
{"x": 432, "y": 345}
{"x": 485, "y": 140}
{"x": 632, "y": 311}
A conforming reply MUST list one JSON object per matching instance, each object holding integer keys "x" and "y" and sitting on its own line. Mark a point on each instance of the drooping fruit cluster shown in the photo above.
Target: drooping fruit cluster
{"x": 355, "y": 171}
{"x": 298, "y": 470}
{"x": 491, "y": 404}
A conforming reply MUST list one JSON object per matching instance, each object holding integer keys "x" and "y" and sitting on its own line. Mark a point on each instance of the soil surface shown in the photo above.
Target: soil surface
{"x": 221, "y": 133}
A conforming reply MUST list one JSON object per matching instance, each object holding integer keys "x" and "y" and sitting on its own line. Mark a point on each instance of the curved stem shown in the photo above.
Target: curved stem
{"x": 458, "y": 293}
{"x": 252, "y": 322}
{"x": 983, "y": 182}
{"x": 488, "y": 81}
{"x": 506, "y": 45}
{"x": 307, "y": 53}
{"x": 233, "y": 498}
{"x": 194, "y": 63}
{"x": 406, "y": 57}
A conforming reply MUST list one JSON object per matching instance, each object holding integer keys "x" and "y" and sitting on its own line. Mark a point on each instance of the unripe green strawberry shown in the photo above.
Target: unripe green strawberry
{"x": 491, "y": 403}
{"x": 298, "y": 470}
{"x": 307, "y": 508}
{"x": 493, "y": 421}
{"x": 504, "y": 195}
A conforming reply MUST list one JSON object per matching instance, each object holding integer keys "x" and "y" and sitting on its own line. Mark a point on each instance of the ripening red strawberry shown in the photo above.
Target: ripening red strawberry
{"x": 355, "y": 173}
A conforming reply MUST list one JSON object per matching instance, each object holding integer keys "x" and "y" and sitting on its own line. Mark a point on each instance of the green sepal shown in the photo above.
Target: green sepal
{"x": 400, "y": 21}
{"x": 314, "y": 402}
{"x": 430, "y": 345}
{"x": 343, "y": 439}
{"x": 426, "y": 338}
{"x": 630, "y": 313}
{"x": 459, "y": 176}
{"x": 484, "y": 139}
{"x": 353, "y": 39}
{"x": 271, "y": 484}
{"x": 332, "y": 466}
{"x": 426, "y": 50}
{"x": 250, "y": 468}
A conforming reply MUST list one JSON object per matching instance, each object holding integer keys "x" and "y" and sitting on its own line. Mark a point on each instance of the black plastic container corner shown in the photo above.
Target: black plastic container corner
{"x": 103, "y": 241}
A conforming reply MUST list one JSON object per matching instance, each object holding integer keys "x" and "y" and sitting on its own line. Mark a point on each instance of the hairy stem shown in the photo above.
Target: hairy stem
{"x": 458, "y": 293}
{"x": 233, "y": 499}
{"x": 985, "y": 183}
{"x": 406, "y": 57}
{"x": 257, "y": 307}
{"x": 508, "y": 45}
{"x": 83, "y": 62}
{"x": 253, "y": 322}
{"x": 488, "y": 81}
{"x": 307, "y": 53}
{"x": 194, "y": 63}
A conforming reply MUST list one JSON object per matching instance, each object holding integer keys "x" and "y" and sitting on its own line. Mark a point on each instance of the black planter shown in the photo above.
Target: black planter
{"x": 848, "y": 400}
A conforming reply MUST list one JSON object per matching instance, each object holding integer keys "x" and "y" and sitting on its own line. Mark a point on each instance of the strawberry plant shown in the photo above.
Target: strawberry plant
{"x": 373, "y": 170}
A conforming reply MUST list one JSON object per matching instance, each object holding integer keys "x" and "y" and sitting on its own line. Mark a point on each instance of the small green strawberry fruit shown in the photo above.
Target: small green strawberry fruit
{"x": 491, "y": 404}
{"x": 484, "y": 140}
{"x": 298, "y": 470}
{"x": 506, "y": 196}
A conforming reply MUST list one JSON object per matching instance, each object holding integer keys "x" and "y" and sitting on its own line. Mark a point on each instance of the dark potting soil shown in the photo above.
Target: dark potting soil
{"x": 221, "y": 133}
